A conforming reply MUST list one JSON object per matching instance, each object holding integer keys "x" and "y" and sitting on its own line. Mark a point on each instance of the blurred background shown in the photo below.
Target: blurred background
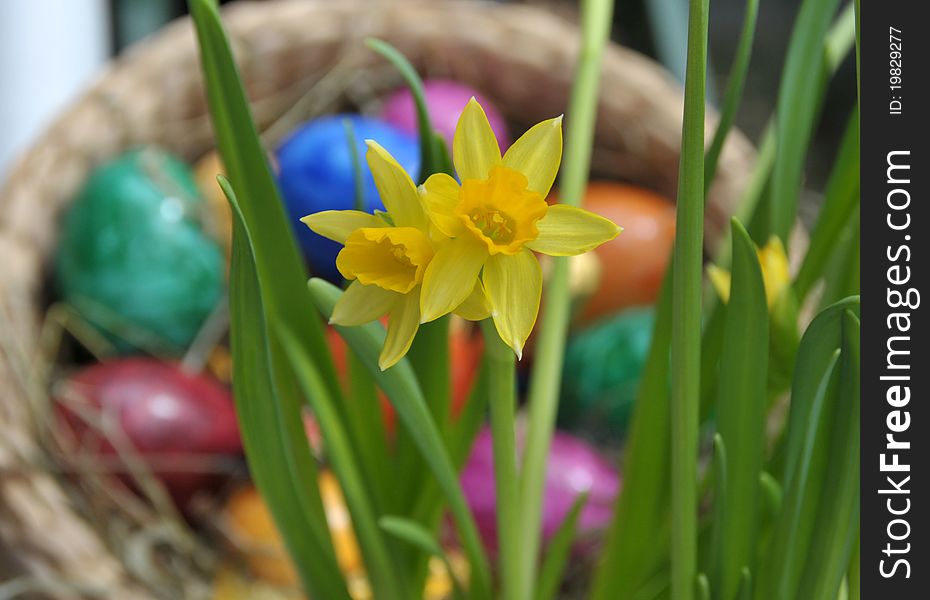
{"x": 45, "y": 62}
{"x": 51, "y": 51}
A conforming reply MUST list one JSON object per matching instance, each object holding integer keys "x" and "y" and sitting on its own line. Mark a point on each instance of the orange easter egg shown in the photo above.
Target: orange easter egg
{"x": 252, "y": 529}
{"x": 632, "y": 264}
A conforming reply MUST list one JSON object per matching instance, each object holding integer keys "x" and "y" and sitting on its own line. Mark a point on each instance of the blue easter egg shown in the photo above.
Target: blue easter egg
{"x": 317, "y": 173}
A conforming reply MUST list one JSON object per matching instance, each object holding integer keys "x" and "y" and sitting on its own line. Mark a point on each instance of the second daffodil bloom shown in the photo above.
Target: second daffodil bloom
{"x": 496, "y": 218}
{"x": 386, "y": 257}
{"x": 776, "y": 276}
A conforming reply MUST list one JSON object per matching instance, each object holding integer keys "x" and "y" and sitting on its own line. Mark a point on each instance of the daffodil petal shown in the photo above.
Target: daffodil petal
{"x": 440, "y": 195}
{"x": 337, "y": 225}
{"x": 361, "y": 304}
{"x": 474, "y": 148}
{"x": 567, "y": 231}
{"x": 513, "y": 285}
{"x": 537, "y": 154}
{"x": 402, "y": 328}
{"x": 475, "y": 307}
{"x": 398, "y": 193}
{"x": 450, "y": 277}
{"x": 721, "y": 281}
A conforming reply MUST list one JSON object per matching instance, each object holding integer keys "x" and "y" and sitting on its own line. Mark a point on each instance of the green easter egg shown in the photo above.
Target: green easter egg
{"x": 133, "y": 257}
{"x": 603, "y": 366}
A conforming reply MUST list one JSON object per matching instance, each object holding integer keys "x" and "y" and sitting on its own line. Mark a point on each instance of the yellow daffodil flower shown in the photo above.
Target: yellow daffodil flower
{"x": 496, "y": 219}
{"x": 386, "y": 257}
{"x": 775, "y": 273}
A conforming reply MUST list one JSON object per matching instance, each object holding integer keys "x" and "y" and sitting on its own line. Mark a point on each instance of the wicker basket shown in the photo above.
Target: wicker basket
{"x": 292, "y": 53}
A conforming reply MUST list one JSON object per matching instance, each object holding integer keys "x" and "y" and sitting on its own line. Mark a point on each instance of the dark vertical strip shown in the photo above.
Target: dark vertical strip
{"x": 894, "y": 175}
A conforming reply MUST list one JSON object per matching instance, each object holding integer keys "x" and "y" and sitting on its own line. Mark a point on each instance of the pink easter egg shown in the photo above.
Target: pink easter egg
{"x": 574, "y": 467}
{"x": 445, "y": 101}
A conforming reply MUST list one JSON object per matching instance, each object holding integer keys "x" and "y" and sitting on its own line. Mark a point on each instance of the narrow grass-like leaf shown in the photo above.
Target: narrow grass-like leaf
{"x": 733, "y": 94}
{"x": 412, "y": 533}
{"x": 686, "y": 314}
{"x": 366, "y": 424}
{"x": 814, "y": 409}
{"x": 545, "y": 380}
{"x": 841, "y": 278}
{"x": 771, "y": 496}
{"x": 637, "y": 542}
{"x": 837, "y": 46}
{"x": 741, "y": 414}
{"x": 431, "y": 157}
{"x": 401, "y": 387}
{"x": 272, "y": 429}
{"x": 385, "y": 577}
{"x": 783, "y": 565}
{"x": 416, "y": 535}
{"x": 798, "y": 102}
{"x": 718, "y": 475}
{"x": 469, "y": 421}
{"x": 277, "y": 261}
{"x": 633, "y": 553}
{"x": 553, "y": 567}
{"x": 429, "y": 357}
{"x": 702, "y": 587}
{"x": 838, "y": 514}
{"x": 745, "y": 585}
{"x": 429, "y": 354}
{"x": 502, "y": 386}
{"x": 852, "y": 573}
{"x": 840, "y": 200}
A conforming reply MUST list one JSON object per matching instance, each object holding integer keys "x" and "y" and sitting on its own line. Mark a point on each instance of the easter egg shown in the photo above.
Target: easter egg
{"x": 229, "y": 583}
{"x": 133, "y": 257}
{"x": 317, "y": 173}
{"x": 603, "y": 367}
{"x": 573, "y": 467}
{"x": 444, "y": 101}
{"x": 253, "y": 532}
{"x": 182, "y": 426}
{"x": 633, "y": 263}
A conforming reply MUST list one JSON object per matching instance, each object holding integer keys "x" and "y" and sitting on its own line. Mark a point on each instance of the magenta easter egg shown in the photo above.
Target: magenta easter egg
{"x": 574, "y": 467}
{"x": 445, "y": 101}
{"x": 183, "y": 426}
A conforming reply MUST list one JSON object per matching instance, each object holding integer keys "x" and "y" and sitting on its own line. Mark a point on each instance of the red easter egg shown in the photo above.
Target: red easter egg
{"x": 183, "y": 426}
{"x": 633, "y": 264}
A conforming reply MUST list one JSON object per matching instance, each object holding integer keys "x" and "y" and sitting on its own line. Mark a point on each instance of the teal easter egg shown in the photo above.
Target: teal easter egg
{"x": 603, "y": 366}
{"x": 133, "y": 257}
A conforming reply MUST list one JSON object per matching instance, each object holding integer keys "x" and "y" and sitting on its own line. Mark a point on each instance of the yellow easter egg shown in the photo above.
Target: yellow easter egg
{"x": 252, "y": 529}
{"x": 218, "y": 220}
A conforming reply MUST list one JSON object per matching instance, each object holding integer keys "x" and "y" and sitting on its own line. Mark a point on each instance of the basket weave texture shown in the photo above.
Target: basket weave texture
{"x": 520, "y": 58}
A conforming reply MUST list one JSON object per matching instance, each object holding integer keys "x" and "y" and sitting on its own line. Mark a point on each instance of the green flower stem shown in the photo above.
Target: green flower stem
{"x": 501, "y": 394}
{"x": 686, "y": 315}
{"x": 547, "y": 373}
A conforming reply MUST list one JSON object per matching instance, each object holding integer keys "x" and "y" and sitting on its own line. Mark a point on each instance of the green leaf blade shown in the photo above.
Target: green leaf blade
{"x": 272, "y": 430}
{"x": 278, "y": 263}
{"x": 741, "y": 414}
{"x": 798, "y": 104}
{"x": 401, "y": 387}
